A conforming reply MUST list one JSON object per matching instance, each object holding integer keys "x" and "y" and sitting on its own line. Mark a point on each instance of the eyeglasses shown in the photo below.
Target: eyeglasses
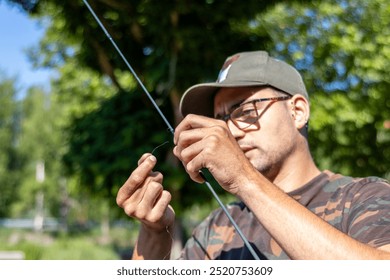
{"x": 247, "y": 113}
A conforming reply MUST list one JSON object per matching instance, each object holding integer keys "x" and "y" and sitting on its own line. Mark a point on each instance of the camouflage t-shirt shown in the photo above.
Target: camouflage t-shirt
{"x": 359, "y": 207}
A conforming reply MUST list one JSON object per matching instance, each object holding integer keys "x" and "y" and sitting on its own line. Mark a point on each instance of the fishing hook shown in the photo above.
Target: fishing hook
{"x": 170, "y": 128}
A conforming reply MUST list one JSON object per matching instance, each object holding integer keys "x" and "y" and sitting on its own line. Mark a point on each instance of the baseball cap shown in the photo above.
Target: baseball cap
{"x": 243, "y": 69}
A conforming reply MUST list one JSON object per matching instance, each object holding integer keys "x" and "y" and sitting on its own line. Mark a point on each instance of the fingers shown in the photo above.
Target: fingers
{"x": 150, "y": 205}
{"x": 143, "y": 197}
{"x": 197, "y": 147}
{"x": 143, "y": 157}
{"x": 195, "y": 130}
{"x": 188, "y": 157}
{"x": 159, "y": 211}
{"x": 205, "y": 143}
{"x": 141, "y": 175}
{"x": 190, "y": 122}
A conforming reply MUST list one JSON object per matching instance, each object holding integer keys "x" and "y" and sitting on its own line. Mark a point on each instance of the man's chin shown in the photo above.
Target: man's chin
{"x": 263, "y": 168}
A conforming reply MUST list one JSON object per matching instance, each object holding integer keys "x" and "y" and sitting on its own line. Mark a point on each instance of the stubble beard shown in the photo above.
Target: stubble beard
{"x": 268, "y": 163}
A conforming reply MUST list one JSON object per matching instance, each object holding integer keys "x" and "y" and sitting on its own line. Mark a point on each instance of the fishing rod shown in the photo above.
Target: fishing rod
{"x": 170, "y": 128}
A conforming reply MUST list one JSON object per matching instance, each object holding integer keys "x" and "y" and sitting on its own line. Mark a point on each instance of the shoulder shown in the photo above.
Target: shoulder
{"x": 358, "y": 195}
{"x": 341, "y": 194}
{"x": 356, "y": 184}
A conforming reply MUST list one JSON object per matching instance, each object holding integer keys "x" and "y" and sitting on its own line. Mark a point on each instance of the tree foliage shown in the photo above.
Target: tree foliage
{"x": 10, "y": 162}
{"x": 344, "y": 55}
{"x": 39, "y": 142}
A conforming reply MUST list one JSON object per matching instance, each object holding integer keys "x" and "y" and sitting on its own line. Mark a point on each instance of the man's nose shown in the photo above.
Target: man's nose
{"x": 234, "y": 130}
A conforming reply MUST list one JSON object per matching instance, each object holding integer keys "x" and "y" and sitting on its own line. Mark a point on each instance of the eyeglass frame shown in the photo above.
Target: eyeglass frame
{"x": 227, "y": 117}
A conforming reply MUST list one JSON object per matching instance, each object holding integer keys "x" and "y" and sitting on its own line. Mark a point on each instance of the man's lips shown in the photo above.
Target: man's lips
{"x": 246, "y": 148}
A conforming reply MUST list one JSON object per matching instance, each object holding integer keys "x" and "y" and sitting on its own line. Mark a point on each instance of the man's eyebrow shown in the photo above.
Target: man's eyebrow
{"x": 236, "y": 105}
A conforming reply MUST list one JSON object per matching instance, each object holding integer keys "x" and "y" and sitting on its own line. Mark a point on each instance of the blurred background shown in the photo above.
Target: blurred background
{"x": 73, "y": 122}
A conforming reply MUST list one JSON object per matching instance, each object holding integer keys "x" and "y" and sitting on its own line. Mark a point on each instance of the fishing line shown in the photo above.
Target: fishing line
{"x": 166, "y": 142}
{"x": 170, "y": 128}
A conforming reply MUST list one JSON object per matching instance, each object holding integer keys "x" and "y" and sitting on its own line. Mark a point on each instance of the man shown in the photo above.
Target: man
{"x": 249, "y": 129}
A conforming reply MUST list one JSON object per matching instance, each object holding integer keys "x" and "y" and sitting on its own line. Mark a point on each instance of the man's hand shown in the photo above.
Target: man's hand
{"x": 203, "y": 142}
{"x": 144, "y": 198}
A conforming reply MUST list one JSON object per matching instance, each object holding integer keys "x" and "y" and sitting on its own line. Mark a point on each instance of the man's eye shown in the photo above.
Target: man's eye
{"x": 248, "y": 112}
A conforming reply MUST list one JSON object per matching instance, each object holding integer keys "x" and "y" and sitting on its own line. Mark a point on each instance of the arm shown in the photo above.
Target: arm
{"x": 143, "y": 198}
{"x": 303, "y": 234}
{"x": 152, "y": 245}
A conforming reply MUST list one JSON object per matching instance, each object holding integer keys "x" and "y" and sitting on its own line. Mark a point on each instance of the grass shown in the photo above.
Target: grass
{"x": 90, "y": 245}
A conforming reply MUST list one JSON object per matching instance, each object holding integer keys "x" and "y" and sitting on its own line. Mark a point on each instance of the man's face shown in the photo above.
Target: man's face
{"x": 269, "y": 142}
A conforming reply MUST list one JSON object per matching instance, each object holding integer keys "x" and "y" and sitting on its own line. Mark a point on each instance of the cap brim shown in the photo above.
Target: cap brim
{"x": 199, "y": 99}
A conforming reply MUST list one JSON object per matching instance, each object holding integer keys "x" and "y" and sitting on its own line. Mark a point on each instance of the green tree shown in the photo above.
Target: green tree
{"x": 10, "y": 161}
{"x": 40, "y": 145}
{"x": 342, "y": 48}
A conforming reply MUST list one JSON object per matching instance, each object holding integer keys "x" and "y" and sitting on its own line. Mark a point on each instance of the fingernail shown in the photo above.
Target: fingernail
{"x": 152, "y": 158}
{"x": 175, "y": 150}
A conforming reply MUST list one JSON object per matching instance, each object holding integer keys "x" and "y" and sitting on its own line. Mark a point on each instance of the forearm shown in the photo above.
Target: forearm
{"x": 299, "y": 232}
{"x": 152, "y": 245}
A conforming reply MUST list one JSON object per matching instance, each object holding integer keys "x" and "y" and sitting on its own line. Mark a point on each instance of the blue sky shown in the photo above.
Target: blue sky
{"x": 17, "y": 33}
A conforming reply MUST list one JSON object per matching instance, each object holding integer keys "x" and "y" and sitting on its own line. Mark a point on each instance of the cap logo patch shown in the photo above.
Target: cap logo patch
{"x": 226, "y": 67}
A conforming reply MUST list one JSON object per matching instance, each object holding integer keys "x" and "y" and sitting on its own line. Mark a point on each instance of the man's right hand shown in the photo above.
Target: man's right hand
{"x": 143, "y": 197}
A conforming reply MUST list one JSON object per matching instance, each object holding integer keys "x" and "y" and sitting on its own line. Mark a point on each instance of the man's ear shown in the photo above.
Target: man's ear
{"x": 300, "y": 110}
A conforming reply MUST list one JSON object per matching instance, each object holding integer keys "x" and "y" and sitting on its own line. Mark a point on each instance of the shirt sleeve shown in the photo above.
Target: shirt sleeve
{"x": 369, "y": 219}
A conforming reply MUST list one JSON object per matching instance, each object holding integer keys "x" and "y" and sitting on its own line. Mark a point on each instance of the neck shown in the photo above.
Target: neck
{"x": 296, "y": 172}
